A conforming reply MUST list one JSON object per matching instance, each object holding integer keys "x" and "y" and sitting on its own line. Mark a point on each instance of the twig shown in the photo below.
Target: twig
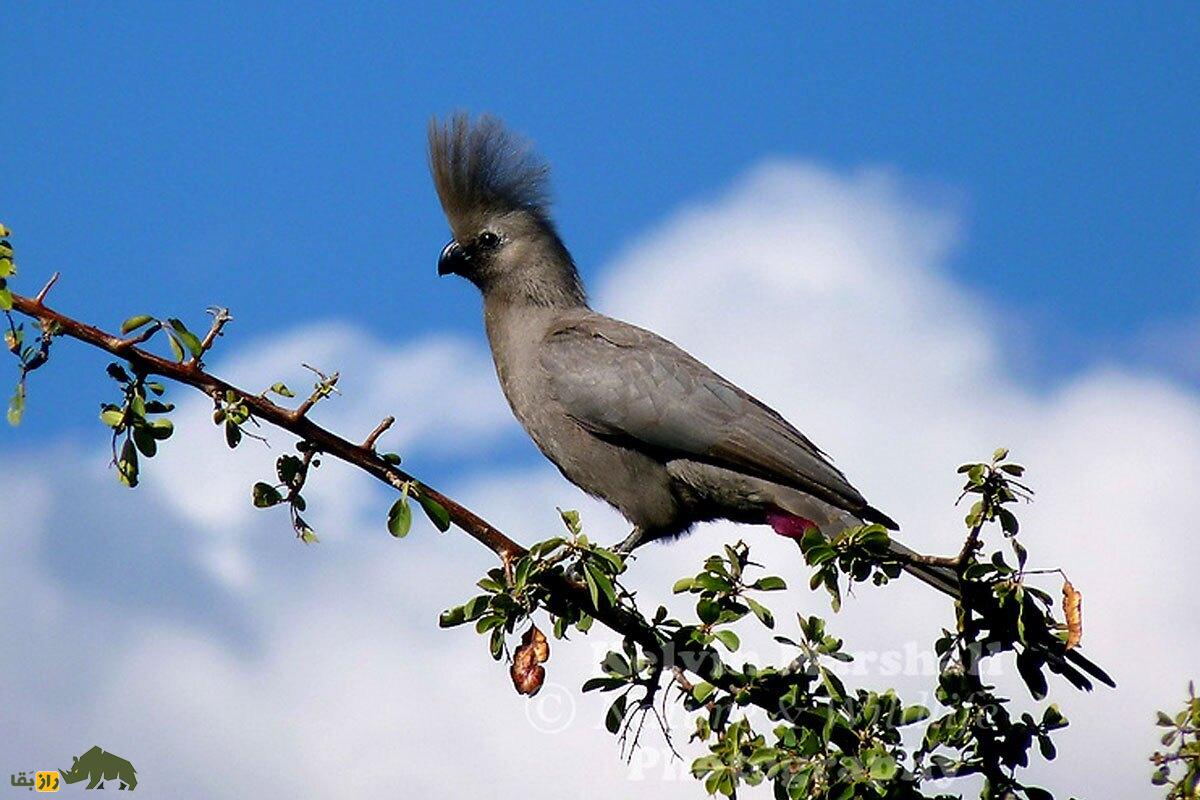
{"x": 369, "y": 442}
{"x": 563, "y": 590}
{"x": 221, "y": 318}
{"x": 144, "y": 336}
{"x": 969, "y": 547}
{"x": 956, "y": 563}
{"x": 325, "y": 386}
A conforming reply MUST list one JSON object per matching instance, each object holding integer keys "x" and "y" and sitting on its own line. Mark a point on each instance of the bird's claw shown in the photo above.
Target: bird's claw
{"x": 630, "y": 542}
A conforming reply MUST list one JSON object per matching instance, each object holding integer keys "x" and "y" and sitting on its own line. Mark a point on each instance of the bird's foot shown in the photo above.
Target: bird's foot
{"x": 636, "y": 538}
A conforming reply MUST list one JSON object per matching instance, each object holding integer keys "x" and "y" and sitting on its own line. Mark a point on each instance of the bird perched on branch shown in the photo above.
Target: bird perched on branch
{"x": 624, "y": 414}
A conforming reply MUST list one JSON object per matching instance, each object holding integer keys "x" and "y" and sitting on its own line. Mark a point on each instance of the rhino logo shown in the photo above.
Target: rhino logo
{"x": 98, "y": 766}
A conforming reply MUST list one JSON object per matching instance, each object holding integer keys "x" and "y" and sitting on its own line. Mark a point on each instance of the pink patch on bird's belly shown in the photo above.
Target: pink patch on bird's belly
{"x": 789, "y": 525}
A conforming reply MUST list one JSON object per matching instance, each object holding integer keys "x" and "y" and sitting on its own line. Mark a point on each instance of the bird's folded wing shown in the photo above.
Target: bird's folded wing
{"x": 625, "y": 383}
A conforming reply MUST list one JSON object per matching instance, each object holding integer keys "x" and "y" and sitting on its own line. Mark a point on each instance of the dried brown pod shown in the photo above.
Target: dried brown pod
{"x": 527, "y": 671}
{"x": 1073, "y": 611}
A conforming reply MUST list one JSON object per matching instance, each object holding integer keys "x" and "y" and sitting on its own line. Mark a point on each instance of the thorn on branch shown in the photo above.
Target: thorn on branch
{"x": 46, "y": 289}
{"x": 369, "y": 442}
{"x": 221, "y": 318}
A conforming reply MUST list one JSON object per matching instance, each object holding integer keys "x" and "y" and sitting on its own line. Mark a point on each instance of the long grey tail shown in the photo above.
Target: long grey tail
{"x": 1067, "y": 663}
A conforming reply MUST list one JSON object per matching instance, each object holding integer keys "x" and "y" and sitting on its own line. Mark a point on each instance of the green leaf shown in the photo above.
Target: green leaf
{"x": 233, "y": 434}
{"x": 571, "y": 520}
{"x": 111, "y": 416}
{"x": 452, "y": 617}
{"x": 282, "y": 390}
{"x": 162, "y": 429}
{"x": 290, "y": 470}
{"x": 708, "y": 610}
{"x": 599, "y": 584}
{"x": 883, "y": 768}
{"x": 470, "y": 611}
{"x": 399, "y": 518}
{"x": 175, "y": 348}
{"x": 133, "y": 323}
{"x": 770, "y": 583}
{"x": 304, "y": 530}
{"x": 914, "y": 714}
{"x": 762, "y": 612}
{"x": 6, "y": 301}
{"x": 1047, "y": 748}
{"x": 728, "y": 638}
{"x": 616, "y": 664}
{"x": 713, "y": 583}
{"x": 186, "y": 337}
{"x": 521, "y": 573}
{"x": 438, "y": 515}
{"x": 819, "y": 554}
{"x": 701, "y": 691}
{"x": 265, "y": 495}
{"x": 7, "y": 267}
{"x": 16, "y": 406}
{"x": 682, "y": 585}
{"x": 127, "y": 464}
{"x": 1000, "y": 454}
{"x": 615, "y": 562}
{"x": 615, "y": 715}
{"x": 144, "y": 441}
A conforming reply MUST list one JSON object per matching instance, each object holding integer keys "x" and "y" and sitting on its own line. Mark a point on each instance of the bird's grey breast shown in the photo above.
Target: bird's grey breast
{"x": 635, "y": 482}
{"x": 515, "y": 337}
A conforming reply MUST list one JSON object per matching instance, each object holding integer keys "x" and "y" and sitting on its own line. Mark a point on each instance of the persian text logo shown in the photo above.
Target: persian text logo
{"x": 40, "y": 780}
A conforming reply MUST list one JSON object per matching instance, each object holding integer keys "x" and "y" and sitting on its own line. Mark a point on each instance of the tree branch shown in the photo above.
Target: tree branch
{"x": 564, "y": 589}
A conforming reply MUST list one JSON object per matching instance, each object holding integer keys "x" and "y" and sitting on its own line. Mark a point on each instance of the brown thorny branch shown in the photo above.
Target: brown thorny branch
{"x": 563, "y": 589}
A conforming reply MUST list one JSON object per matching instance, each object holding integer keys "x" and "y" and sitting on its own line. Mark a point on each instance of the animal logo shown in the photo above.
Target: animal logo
{"x": 98, "y": 766}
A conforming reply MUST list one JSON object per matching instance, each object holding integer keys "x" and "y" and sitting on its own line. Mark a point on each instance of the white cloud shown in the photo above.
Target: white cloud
{"x": 820, "y": 292}
{"x": 209, "y": 483}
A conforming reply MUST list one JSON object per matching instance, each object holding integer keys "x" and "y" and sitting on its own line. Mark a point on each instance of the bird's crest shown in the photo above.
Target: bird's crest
{"x": 481, "y": 168}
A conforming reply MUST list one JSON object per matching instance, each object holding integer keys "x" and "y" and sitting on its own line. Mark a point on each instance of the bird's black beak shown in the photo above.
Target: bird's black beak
{"x": 453, "y": 260}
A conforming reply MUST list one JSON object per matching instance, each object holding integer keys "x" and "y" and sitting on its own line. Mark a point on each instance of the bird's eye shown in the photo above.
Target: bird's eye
{"x": 487, "y": 240}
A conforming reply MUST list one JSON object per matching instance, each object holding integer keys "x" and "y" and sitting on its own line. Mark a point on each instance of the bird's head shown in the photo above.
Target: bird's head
{"x": 493, "y": 190}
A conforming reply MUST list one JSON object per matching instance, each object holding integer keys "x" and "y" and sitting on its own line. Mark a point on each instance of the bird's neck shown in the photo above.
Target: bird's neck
{"x": 544, "y": 285}
{"x": 515, "y": 334}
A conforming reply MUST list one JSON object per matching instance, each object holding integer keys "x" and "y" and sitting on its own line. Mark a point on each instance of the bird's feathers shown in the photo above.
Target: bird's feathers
{"x": 622, "y": 382}
{"x": 480, "y": 168}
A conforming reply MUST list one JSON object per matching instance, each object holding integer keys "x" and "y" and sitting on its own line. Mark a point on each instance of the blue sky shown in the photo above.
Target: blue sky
{"x": 991, "y": 212}
{"x": 272, "y": 157}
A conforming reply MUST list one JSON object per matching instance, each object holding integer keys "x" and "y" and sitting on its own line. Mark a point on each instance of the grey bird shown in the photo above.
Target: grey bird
{"x": 624, "y": 414}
